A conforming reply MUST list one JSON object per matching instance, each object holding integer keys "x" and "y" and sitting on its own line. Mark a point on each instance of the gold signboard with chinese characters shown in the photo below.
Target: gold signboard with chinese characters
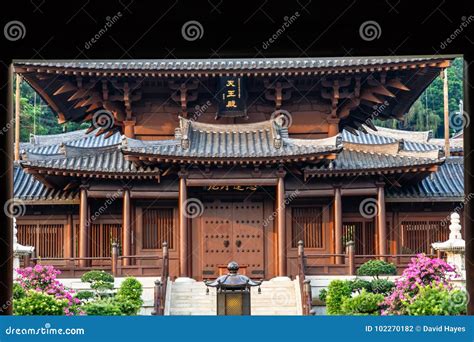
{"x": 233, "y": 97}
{"x": 231, "y": 188}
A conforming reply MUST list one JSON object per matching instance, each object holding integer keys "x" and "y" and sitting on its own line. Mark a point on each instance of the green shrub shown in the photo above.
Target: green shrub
{"x": 39, "y": 304}
{"x": 358, "y": 285}
{"x": 322, "y": 295}
{"x": 84, "y": 295}
{"x": 100, "y": 281}
{"x": 18, "y": 291}
{"x": 338, "y": 290}
{"x": 129, "y": 296}
{"x": 437, "y": 299}
{"x": 382, "y": 286}
{"x": 365, "y": 303}
{"x": 103, "y": 307}
{"x": 374, "y": 268}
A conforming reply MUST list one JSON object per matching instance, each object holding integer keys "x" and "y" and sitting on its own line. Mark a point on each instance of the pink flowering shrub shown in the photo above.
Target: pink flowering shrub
{"x": 421, "y": 272}
{"x": 42, "y": 278}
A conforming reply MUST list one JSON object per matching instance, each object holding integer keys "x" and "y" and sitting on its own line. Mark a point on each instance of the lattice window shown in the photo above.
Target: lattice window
{"x": 103, "y": 235}
{"x": 363, "y": 235}
{"x": 420, "y": 234}
{"x": 48, "y": 239}
{"x": 307, "y": 225}
{"x": 158, "y": 227}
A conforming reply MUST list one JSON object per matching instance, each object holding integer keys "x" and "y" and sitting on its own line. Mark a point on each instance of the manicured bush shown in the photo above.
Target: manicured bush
{"x": 85, "y": 295}
{"x": 358, "y": 285}
{"x": 375, "y": 268}
{"x": 421, "y": 272}
{"x": 129, "y": 296}
{"x": 437, "y": 299}
{"x": 338, "y": 290}
{"x": 39, "y": 304}
{"x": 365, "y": 303}
{"x": 103, "y": 307}
{"x": 322, "y": 295}
{"x": 383, "y": 286}
{"x": 100, "y": 281}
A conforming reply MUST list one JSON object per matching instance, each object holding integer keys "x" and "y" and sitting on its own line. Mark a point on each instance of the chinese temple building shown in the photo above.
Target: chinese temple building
{"x": 234, "y": 159}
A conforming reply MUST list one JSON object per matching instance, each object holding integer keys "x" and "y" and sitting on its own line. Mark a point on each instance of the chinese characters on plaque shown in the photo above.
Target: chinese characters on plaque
{"x": 231, "y": 187}
{"x": 233, "y": 97}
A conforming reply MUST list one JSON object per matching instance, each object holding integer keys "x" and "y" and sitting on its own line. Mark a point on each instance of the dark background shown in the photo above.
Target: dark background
{"x": 152, "y": 29}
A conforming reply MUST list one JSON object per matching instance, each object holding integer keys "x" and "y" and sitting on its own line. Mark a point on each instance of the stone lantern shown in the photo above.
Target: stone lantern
{"x": 19, "y": 250}
{"x": 455, "y": 246}
{"x": 233, "y": 292}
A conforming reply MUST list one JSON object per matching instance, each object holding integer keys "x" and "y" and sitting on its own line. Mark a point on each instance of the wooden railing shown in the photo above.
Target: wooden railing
{"x": 161, "y": 285}
{"x": 305, "y": 284}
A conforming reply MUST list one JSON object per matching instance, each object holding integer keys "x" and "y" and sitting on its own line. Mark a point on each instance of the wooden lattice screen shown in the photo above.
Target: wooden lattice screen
{"x": 363, "y": 235}
{"x": 48, "y": 239}
{"x": 158, "y": 227}
{"x": 307, "y": 225}
{"x": 420, "y": 234}
{"x": 102, "y": 237}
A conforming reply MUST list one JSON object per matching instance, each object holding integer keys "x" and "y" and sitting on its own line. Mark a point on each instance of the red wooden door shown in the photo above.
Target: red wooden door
{"x": 232, "y": 231}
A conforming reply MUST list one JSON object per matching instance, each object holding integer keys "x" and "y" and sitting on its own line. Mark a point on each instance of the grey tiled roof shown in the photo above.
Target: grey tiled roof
{"x": 28, "y": 188}
{"x": 226, "y": 64}
{"x": 257, "y": 140}
{"x": 98, "y": 162}
{"x": 51, "y": 144}
{"x": 447, "y": 182}
{"x": 358, "y": 161}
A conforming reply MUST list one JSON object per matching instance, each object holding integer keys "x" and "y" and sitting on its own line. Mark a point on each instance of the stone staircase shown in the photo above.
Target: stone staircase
{"x": 279, "y": 296}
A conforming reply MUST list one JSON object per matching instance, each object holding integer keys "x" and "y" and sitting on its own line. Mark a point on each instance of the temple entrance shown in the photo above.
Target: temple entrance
{"x": 232, "y": 230}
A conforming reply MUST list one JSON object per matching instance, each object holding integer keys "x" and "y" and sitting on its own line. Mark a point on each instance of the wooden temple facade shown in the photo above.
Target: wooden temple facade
{"x": 233, "y": 159}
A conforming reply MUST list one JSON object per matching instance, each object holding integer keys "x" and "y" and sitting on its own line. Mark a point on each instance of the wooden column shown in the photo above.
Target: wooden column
{"x": 83, "y": 227}
{"x": 446, "y": 112}
{"x": 17, "y": 117}
{"x": 126, "y": 227}
{"x": 333, "y": 126}
{"x": 183, "y": 228}
{"x": 281, "y": 224}
{"x": 381, "y": 220}
{"x": 129, "y": 128}
{"x": 338, "y": 225}
{"x": 69, "y": 237}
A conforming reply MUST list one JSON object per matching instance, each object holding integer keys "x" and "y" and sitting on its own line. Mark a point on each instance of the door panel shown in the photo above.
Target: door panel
{"x": 216, "y": 236}
{"x": 232, "y": 231}
{"x": 248, "y": 237}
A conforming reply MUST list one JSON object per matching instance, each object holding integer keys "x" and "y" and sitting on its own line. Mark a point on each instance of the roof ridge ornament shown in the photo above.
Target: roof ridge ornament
{"x": 185, "y": 130}
{"x": 276, "y": 136}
